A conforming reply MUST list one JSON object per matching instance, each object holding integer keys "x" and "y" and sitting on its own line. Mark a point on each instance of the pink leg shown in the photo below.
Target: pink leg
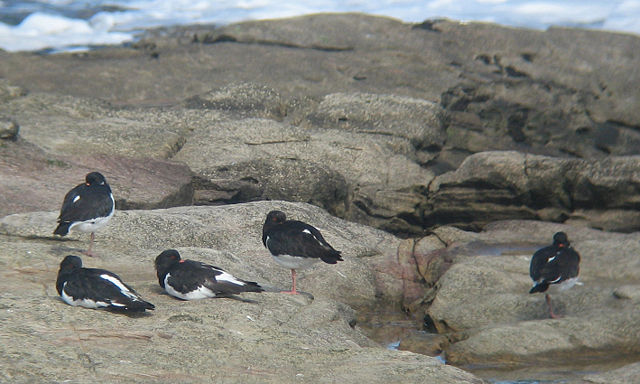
{"x": 293, "y": 289}
{"x": 551, "y": 314}
{"x": 88, "y": 251}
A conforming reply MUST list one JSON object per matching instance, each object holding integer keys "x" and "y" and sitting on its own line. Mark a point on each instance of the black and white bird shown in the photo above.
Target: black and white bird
{"x": 87, "y": 207}
{"x": 295, "y": 244}
{"x": 556, "y": 265}
{"x": 193, "y": 280}
{"x": 96, "y": 288}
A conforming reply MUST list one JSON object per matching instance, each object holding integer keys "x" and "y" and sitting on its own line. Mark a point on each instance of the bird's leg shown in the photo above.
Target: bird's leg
{"x": 88, "y": 251}
{"x": 293, "y": 289}
{"x": 551, "y": 314}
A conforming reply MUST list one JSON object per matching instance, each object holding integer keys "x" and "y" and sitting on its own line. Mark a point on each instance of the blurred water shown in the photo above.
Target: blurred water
{"x": 27, "y": 25}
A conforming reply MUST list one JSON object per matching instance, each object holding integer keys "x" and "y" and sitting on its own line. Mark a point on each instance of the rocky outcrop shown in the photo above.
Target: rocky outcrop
{"x": 482, "y": 300}
{"x": 494, "y": 186}
{"x": 34, "y": 180}
{"x": 272, "y": 338}
{"x": 378, "y": 110}
{"x": 424, "y": 130}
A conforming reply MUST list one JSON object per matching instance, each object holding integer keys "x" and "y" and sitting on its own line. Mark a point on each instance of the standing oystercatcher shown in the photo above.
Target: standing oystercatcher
{"x": 557, "y": 264}
{"x": 87, "y": 207}
{"x": 96, "y": 288}
{"x": 295, "y": 245}
{"x": 193, "y": 280}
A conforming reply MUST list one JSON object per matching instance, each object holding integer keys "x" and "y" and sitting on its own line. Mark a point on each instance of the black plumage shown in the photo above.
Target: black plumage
{"x": 557, "y": 264}
{"x": 87, "y": 207}
{"x": 295, "y": 244}
{"x": 96, "y": 288}
{"x": 192, "y": 280}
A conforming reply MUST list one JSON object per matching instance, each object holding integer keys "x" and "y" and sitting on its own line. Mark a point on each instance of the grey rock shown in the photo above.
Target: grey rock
{"x": 376, "y": 193}
{"x": 412, "y": 119}
{"x": 9, "y": 129}
{"x": 273, "y": 179}
{"x": 242, "y": 100}
{"x": 33, "y": 180}
{"x": 482, "y": 300}
{"x": 627, "y": 374}
{"x": 600, "y": 193}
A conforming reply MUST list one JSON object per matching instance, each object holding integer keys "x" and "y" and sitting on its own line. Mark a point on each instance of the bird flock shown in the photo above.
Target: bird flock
{"x": 89, "y": 206}
{"x": 293, "y": 244}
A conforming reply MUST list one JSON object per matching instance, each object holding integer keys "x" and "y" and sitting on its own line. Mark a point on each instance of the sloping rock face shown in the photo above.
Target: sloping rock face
{"x": 362, "y": 112}
{"x": 493, "y": 186}
{"x": 271, "y": 338}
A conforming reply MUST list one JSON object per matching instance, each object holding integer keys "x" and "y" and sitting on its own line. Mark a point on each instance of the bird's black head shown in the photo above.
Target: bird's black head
{"x": 95, "y": 178}
{"x": 164, "y": 262}
{"x": 70, "y": 263}
{"x": 167, "y": 258}
{"x": 276, "y": 217}
{"x": 560, "y": 239}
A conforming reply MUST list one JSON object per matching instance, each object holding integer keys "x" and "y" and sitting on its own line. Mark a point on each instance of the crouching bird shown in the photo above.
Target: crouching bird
{"x": 96, "y": 288}
{"x": 556, "y": 265}
{"x": 193, "y": 280}
{"x": 295, "y": 244}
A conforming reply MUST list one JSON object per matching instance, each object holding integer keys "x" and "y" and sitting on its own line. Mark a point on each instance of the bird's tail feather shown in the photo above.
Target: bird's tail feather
{"x": 539, "y": 287}
{"x": 62, "y": 229}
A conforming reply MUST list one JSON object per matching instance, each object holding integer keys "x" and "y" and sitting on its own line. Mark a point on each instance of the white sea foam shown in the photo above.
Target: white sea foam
{"x": 61, "y": 24}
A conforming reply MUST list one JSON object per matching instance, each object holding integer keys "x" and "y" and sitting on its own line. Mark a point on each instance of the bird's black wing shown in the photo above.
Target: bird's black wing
{"x": 86, "y": 203}
{"x": 296, "y": 238}
{"x": 101, "y": 285}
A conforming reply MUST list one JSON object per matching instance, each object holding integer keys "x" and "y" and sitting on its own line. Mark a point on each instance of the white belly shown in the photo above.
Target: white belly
{"x": 564, "y": 285}
{"x": 292, "y": 262}
{"x": 92, "y": 225}
{"x": 201, "y": 293}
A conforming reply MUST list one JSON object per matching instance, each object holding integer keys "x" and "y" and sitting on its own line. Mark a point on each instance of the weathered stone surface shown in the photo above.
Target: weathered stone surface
{"x": 242, "y": 100}
{"x": 412, "y": 119}
{"x": 8, "y": 129}
{"x": 482, "y": 300}
{"x": 368, "y": 164}
{"x": 628, "y": 374}
{"x": 33, "y": 180}
{"x": 275, "y": 338}
{"x": 273, "y": 179}
{"x": 493, "y": 186}
{"x": 425, "y": 102}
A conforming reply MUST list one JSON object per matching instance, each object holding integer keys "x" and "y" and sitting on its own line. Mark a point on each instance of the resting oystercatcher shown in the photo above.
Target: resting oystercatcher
{"x": 557, "y": 264}
{"x": 193, "y": 280}
{"x": 87, "y": 207}
{"x": 295, "y": 244}
{"x": 96, "y": 288}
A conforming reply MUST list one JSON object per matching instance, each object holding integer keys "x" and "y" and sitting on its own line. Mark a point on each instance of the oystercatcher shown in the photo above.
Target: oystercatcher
{"x": 295, "y": 244}
{"x": 87, "y": 207}
{"x": 193, "y": 280}
{"x": 96, "y": 288}
{"x": 557, "y": 264}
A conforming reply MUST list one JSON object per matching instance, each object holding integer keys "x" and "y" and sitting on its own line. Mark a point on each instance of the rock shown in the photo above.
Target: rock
{"x": 483, "y": 305}
{"x": 412, "y": 119}
{"x": 627, "y": 374}
{"x": 365, "y": 164}
{"x": 274, "y": 179}
{"x": 242, "y": 100}
{"x": 273, "y": 338}
{"x": 64, "y": 125}
{"x": 34, "y": 180}
{"x": 412, "y": 100}
{"x": 9, "y": 129}
{"x": 627, "y": 292}
{"x": 537, "y": 187}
